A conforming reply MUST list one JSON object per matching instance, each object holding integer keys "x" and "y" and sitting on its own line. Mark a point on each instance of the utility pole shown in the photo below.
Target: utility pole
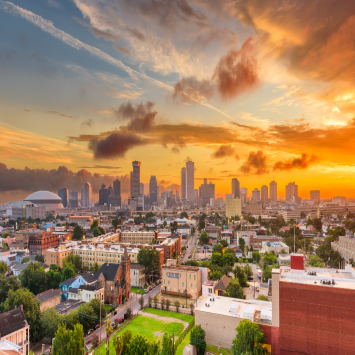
{"x": 173, "y": 345}
{"x": 100, "y": 318}
{"x": 294, "y": 240}
{"x": 186, "y": 288}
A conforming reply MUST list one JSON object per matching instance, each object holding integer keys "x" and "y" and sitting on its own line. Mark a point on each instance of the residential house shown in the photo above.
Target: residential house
{"x": 9, "y": 348}
{"x": 221, "y": 286}
{"x": 137, "y": 275}
{"x": 76, "y": 282}
{"x": 184, "y": 229}
{"x": 86, "y": 293}
{"x": 15, "y": 329}
{"x": 49, "y": 299}
{"x": 208, "y": 287}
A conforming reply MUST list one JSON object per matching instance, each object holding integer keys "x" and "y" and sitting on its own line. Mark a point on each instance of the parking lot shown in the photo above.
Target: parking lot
{"x": 202, "y": 253}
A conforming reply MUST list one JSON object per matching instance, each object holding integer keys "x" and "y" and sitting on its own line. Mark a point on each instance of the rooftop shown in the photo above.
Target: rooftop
{"x": 47, "y": 295}
{"x": 12, "y": 321}
{"x": 257, "y": 311}
{"x": 322, "y": 277}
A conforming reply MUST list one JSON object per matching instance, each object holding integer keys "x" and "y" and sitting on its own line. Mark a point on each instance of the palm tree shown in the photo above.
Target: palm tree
{"x": 118, "y": 345}
{"x": 109, "y": 332}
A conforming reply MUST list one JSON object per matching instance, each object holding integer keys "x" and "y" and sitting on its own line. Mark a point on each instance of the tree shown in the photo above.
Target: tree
{"x": 166, "y": 345}
{"x": 234, "y": 290}
{"x": 109, "y": 332}
{"x": 39, "y": 258}
{"x": 303, "y": 215}
{"x": 217, "y": 249}
{"x": 262, "y": 298}
{"x": 5, "y": 235}
{"x": 167, "y": 304}
{"x": 228, "y": 259}
{"x": 155, "y": 300}
{"x": 50, "y": 321}
{"x": 201, "y": 225}
{"x": 78, "y": 233}
{"x": 68, "y": 272}
{"x": 241, "y": 276}
{"x": 102, "y": 231}
{"x": 7, "y": 284}
{"x": 173, "y": 226}
{"x": 115, "y": 223}
{"x": 96, "y": 305}
{"x": 141, "y": 301}
{"x": 241, "y": 243}
{"x": 317, "y": 224}
{"x": 129, "y": 312}
{"x": 184, "y": 215}
{"x": 216, "y": 258}
{"x": 126, "y": 341}
{"x": 31, "y": 309}
{"x": 25, "y": 260}
{"x": 149, "y": 258}
{"x": 118, "y": 344}
{"x": 140, "y": 345}
{"x": 215, "y": 275}
{"x": 94, "y": 341}
{"x": 204, "y": 239}
{"x": 197, "y": 338}
{"x": 292, "y": 222}
{"x": 69, "y": 341}
{"x": 96, "y": 268}
{"x": 248, "y": 339}
{"x": 267, "y": 274}
{"x": 248, "y": 270}
{"x": 316, "y": 261}
{"x": 193, "y": 230}
{"x": 3, "y": 268}
{"x": 150, "y": 302}
{"x": 192, "y": 309}
{"x": 5, "y": 245}
{"x": 94, "y": 224}
{"x": 96, "y": 232}
{"x": 335, "y": 233}
{"x": 34, "y": 278}
{"x": 87, "y": 315}
{"x": 177, "y": 306}
{"x": 224, "y": 243}
{"x": 352, "y": 262}
{"x": 256, "y": 256}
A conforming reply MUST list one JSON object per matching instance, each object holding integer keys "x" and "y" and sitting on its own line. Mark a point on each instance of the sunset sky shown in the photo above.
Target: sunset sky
{"x": 249, "y": 89}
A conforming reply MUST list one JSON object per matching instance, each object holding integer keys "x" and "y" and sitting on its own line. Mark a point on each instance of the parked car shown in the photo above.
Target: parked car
{"x": 97, "y": 326}
{"x": 146, "y": 290}
{"x": 257, "y": 289}
{"x": 121, "y": 320}
{"x": 150, "y": 288}
{"x": 90, "y": 331}
{"x": 114, "y": 313}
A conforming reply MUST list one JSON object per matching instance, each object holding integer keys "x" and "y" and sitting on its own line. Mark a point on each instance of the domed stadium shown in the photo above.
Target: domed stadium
{"x": 49, "y": 200}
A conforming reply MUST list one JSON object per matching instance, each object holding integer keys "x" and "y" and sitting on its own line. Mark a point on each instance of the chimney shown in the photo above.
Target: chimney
{"x": 297, "y": 262}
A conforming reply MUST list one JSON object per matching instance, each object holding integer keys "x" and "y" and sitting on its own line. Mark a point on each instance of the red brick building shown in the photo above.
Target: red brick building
{"x": 40, "y": 241}
{"x": 116, "y": 280}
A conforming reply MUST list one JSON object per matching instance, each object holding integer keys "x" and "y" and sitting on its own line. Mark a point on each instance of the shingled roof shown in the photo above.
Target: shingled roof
{"x": 108, "y": 270}
{"x": 89, "y": 278}
{"x": 12, "y": 321}
{"x": 48, "y": 295}
{"x": 223, "y": 283}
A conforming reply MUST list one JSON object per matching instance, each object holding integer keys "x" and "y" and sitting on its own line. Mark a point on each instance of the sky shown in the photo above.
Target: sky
{"x": 258, "y": 90}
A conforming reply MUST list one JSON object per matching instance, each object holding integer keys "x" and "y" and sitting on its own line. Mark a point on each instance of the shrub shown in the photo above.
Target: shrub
{"x": 177, "y": 306}
{"x": 240, "y": 260}
{"x": 167, "y": 304}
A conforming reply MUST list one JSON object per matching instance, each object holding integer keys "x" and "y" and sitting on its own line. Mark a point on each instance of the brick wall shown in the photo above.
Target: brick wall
{"x": 316, "y": 320}
{"x": 272, "y": 335}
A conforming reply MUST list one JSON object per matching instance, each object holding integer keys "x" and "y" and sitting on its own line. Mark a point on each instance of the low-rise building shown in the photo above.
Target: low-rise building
{"x": 138, "y": 237}
{"x": 181, "y": 280}
{"x": 15, "y": 329}
{"x": 276, "y": 247}
{"x": 184, "y": 229}
{"x": 76, "y": 282}
{"x": 213, "y": 232}
{"x": 137, "y": 275}
{"x": 82, "y": 221}
{"x": 49, "y": 299}
{"x": 86, "y": 293}
{"x": 221, "y": 286}
{"x": 40, "y": 241}
{"x": 208, "y": 287}
{"x": 287, "y": 215}
{"x": 172, "y": 246}
{"x": 233, "y": 207}
{"x": 219, "y": 316}
{"x": 345, "y": 246}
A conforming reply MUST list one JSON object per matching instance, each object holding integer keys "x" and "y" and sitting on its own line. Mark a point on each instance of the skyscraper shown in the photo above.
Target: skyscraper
{"x": 264, "y": 194}
{"x": 141, "y": 188}
{"x": 291, "y": 190}
{"x": 235, "y": 188}
{"x": 190, "y": 182}
{"x": 117, "y": 188}
{"x": 256, "y": 195}
{"x": 64, "y": 195}
{"x": 273, "y": 191}
{"x": 206, "y": 192}
{"x": 136, "y": 178}
{"x": 131, "y": 184}
{"x": 86, "y": 195}
{"x": 104, "y": 193}
{"x": 73, "y": 199}
{"x": 315, "y": 196}
{"x": 243, "y": 194}
{"x": 153, "y": 190}
{"x": 183, "y": 183}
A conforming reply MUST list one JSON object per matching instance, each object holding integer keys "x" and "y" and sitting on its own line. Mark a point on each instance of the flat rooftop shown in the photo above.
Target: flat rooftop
{"x": 323, "y": 277}
{"x": 256, "y": 311}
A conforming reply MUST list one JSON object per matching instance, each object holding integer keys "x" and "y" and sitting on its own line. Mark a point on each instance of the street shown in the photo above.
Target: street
{"x": 135, "y": 307}
{"x": 190, "y": 247}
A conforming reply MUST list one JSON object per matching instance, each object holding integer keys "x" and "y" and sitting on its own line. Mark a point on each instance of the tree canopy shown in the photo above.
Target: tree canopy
{"x": 197, "y": 338}
{"x": 149, "y": 258}
{"x": 69, "y": 341}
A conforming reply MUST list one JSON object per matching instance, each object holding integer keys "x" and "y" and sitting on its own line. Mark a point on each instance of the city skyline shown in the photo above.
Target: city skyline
{"x": 81, "y": 92}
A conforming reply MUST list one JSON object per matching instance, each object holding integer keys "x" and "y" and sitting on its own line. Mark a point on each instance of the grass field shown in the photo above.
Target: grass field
{"x": 149, "y": 327}
{"x": 108, "y": 308}
{"x": 214, "y": 350}
{"x": 135, "y": 290}
{"x": 184, "y": 317}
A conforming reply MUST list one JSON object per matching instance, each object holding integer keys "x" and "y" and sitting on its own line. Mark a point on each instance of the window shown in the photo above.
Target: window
{"x": 190, "y": 276}
{"x": 194, "y": 277}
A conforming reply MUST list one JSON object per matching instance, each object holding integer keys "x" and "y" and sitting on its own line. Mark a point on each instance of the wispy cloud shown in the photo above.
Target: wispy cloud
{"x": 51, "y": 113}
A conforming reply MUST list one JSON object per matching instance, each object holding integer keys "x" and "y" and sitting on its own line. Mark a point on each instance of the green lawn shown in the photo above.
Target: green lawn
{"x": 214, "y": 350}
{"x": 135, "y": 290}
{"x": 186, "y": 341}
{"x": 148, "y": 327}
{"x": 184, "y": 317}
{"x": 108, "y": 308}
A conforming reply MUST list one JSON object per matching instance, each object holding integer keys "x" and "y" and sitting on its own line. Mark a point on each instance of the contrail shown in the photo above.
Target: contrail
{"x": 47, "y": 26}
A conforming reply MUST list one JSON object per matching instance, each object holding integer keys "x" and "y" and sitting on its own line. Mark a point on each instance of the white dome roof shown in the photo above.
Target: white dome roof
{"x": 43, "y": 195}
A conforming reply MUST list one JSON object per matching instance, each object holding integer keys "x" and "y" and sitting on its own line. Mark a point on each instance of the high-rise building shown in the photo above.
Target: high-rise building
{"x": 315, "y": 196}
{"x": 141, "y": 190}
{"x": 131, "y": 184}
{"x": 183, "y": 183}
{"x": 243, "y": 194}
{"x": 73, "y": 199}
{"x": 136, "y": 178}
{"x": 235, "y": 188}
{"x": 256, "y": 195}
{"x": 264, "y": 194}
{"x": 340, "y": 200}
{"x": 206, "y": 192}
{"x": 86, "y": 195}
{"x": 190, "y": 182}
{"x": 64, "y": 195}
{"x": 196, "y": 192}
{"x": 153, "y": 190}
{"x": 117, "y": 188}
{"x": 104, "y": 193}
{"x": 291, "y": 190}
{"x": 233, "y": 207}
{"x": 273, "y": 191}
